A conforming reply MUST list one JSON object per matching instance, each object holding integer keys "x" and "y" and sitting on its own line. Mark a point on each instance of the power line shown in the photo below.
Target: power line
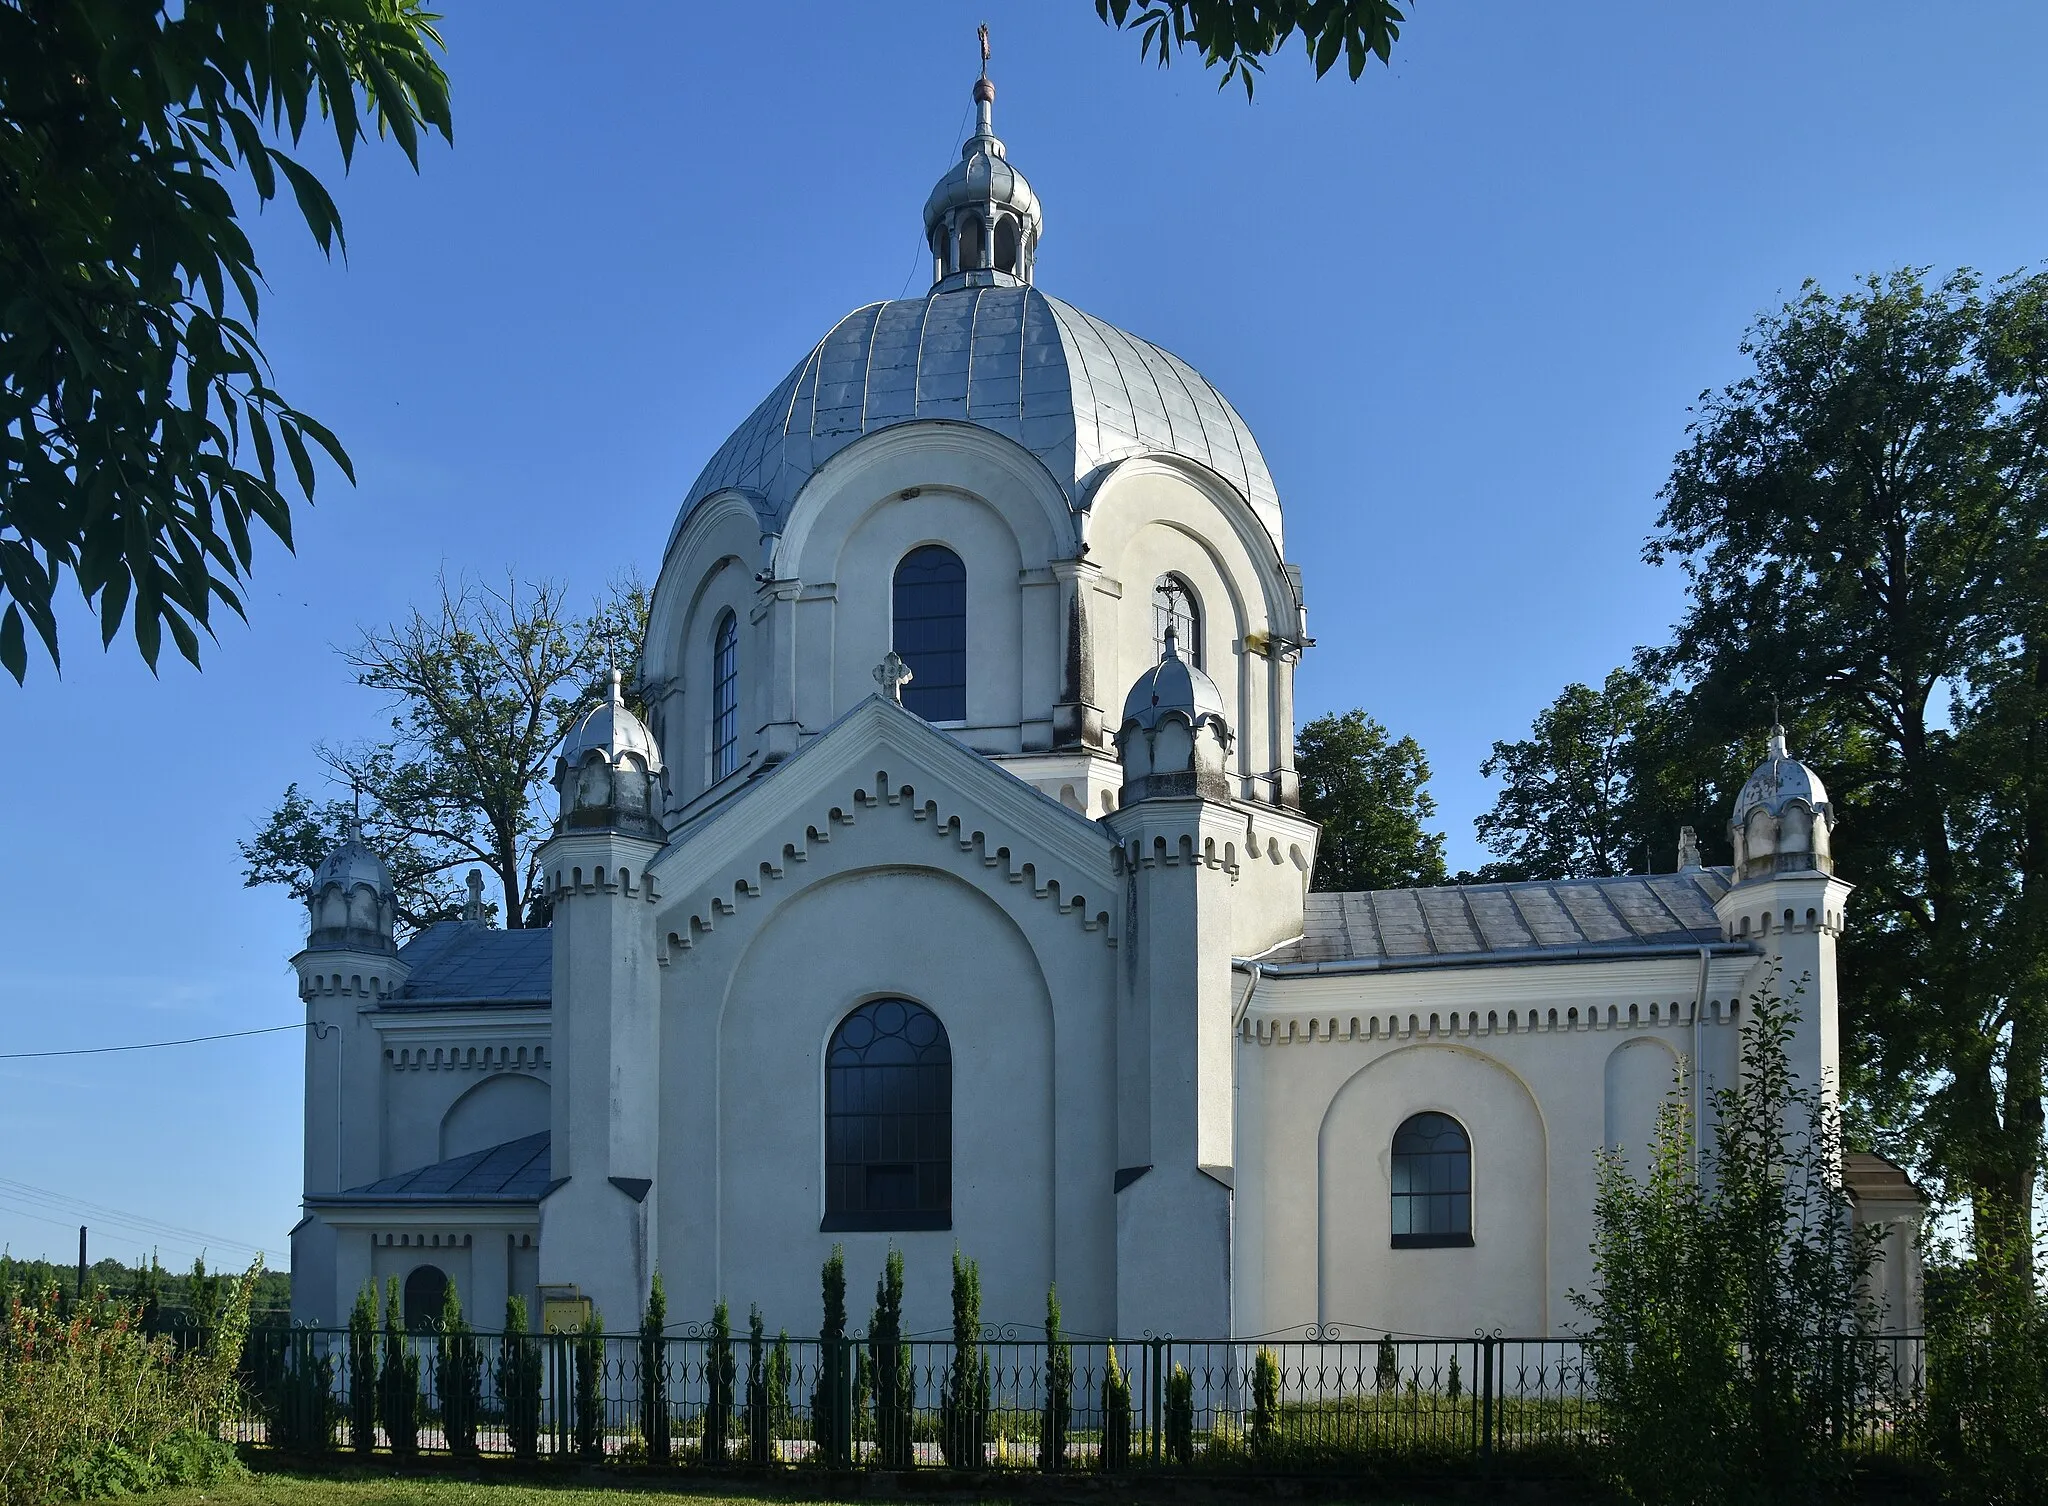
{"x": 81, "y": 1211}
{"x": 190, "y": 1040}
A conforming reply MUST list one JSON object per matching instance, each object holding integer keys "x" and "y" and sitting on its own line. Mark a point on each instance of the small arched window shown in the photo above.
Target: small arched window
{"x": 930, "y": 610}
{"x": 970, "y": 243}
{"x": 725, "y": 697}
{"x": 1006, "y": 244}
{"x": 426, "y": 1288}
{"x": 1173, "y": 601}
{"x": 1432, "y": 1183}
{"x": 889, "y": 1120}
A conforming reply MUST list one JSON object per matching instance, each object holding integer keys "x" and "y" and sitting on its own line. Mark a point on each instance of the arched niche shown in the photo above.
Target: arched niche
{"x": 1639, "y": 1077}
{"x": 506, "y": 1106}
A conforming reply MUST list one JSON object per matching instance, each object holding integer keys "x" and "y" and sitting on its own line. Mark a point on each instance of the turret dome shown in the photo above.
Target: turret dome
{"x": 1174, "y": 735}
{"x": 350, "y": 904}
{"x": 609, "y": 770}
{"x": 982, "y": 220}
{"x": 1783, "y": 821}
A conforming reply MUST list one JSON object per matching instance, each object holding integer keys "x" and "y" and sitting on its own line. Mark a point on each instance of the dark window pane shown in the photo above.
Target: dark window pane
{"x": 930, "y": 614}
{"x": 1432, "y": 1182}
{"x": 888, "y": 1119}
{"x": 725, "y": 698}
{"x": 1173, "y": 601}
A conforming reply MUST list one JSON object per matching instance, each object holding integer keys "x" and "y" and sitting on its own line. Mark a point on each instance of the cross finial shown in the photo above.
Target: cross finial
{"x": 473, "y": 909}
{"x": 892, "y": 674}
{"x": 981, "y": 31}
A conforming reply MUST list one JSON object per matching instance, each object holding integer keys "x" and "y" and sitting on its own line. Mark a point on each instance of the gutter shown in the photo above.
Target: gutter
{"x": 1577, "y": 952}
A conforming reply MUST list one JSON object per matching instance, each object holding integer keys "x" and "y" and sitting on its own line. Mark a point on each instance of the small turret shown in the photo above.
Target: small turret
{"x": 351, "y": 906}
{"x": 982, "y": 220}
{"x": 1783, "y": 822}
{"x": 1174, "y": 738}
{"x": 609, "y": 774}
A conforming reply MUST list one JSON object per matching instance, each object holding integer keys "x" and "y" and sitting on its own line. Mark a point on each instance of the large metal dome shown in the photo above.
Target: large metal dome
{"x": 1076, "y": 392}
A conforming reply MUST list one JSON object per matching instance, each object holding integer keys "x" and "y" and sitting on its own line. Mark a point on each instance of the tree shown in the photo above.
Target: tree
{"x": 1370, "y": 794}
{"x": 829, "y": 1396}
{"x": 1861, "y": 519}
{"x": 133, "y": 395}
{"x": 654, "y": 1411}
{"x": 1605, "y": 780}
{"x": 1059, "y": 1389}
{"x": 889, "y": 1365}
{"x": 1239, "y": 37}
{"x": 963, "y": 1406}
{"x": 481, "y": 690}
{"x": 458, "y": 1376}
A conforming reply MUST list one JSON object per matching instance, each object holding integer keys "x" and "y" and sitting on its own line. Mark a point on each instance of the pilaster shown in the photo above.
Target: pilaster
{"x": 1077, "y": 715}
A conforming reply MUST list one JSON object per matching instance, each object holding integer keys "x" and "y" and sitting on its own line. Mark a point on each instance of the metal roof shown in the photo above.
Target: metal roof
{"x": 515, "y": 1172}
{"x": 1074, "y": 391}
{"x": 454, "y": 960}
{"x": 1566, "y": 917}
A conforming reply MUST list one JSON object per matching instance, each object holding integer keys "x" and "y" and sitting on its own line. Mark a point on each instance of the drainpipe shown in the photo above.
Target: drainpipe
{"x": 1698, "y": 1088}
{"x": 1236, "y": 1023}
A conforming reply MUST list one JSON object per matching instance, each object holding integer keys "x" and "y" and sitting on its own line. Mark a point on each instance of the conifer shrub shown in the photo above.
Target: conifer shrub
{"x": 654, "y": 1413}
{"x": 719, "y": 1374}
{"x": 963, "y": 1408}
{"x": 398, "y": 1381}
{"x": 831, "y": 1422}
{"x": 1454, "y": 1386}
{"x": 590, "y": 1388}
{"x": 301, "y": 1408}
{"x": 1265, "y": 1402}
{"x": 1059, "y": 1389}
{"x": 362, "y": 1370}
{"x": 757, "y": 1387}
{"x": 781, "y": 1412}
{"x": 1386, "y": 1365}
{"x": 1116, "y": 1415}
{"x": 1730, "y": 1324}
{"x": 519, "y": 1375}
{"x": 862, "y": 1416}
{"x": 1180, "y": 1416}
{"x": 458, "y": 1376}
{"x": 890, "y": 1369}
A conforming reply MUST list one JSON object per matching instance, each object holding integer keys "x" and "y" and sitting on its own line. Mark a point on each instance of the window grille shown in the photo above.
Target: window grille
{"x": 930, "y": 610}
{"x": 1432, "y": 1168}
{"x": 1173, "y": 600}
{"x": 889, "y": 1120}
{"x": 725, "y": 698}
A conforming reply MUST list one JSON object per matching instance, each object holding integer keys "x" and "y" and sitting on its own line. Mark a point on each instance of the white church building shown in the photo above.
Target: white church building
{"x": 954, "y": 892}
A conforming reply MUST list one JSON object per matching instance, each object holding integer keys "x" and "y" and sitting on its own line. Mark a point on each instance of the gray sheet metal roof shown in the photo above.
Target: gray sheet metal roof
{"x": 1475, "y": 920}
{"x": 454, "y": 960}
{"x": 515, "y": 1172}
{"x": 1076, "y": 392}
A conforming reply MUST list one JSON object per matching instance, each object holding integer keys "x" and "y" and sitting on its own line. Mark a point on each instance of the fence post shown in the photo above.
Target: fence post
{"x": 1486, "y": 1395}
{"x": 1155, "y": 1412}
{"x": 558, "y": 1400}
{"x": 841, "y": 1361}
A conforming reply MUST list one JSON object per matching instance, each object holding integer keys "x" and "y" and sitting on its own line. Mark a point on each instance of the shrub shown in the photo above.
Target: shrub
{"x": 718, "y": 1414}
{"x": 362, "y": 1370}
{"x": 1180, "y": 1416}
{"x": 1265, "y": 1402}
{"x": 1116, "y": 1416}
{"x": 1987, "y": 1369}
{"x": 1386, "y": 1366}
{"x": 830, "y": 1423}
{"x": 889, "y": 1367}
{"x": 301, "y": 1407}
{"x": 781, "y": 1414}
{"x": 757, "y": 1388}
{"x": 519, "y": 1373}
{"x": 398, "y": 1382}
{"x": 654, "y": 1416}
{"x": 1730, "y": 1317}
{"x": 1059, "y": 1389}
{"x": 458, "y": 1376}
{"x": 963, "y": 1409}
{"x": 589, "y": 1394}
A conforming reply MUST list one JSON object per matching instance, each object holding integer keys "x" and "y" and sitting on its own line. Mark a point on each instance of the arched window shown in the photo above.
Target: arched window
{"x": 1432, "y": 1183}
{"x": 1006, "y": 244}
{"x": 889, "y": 1120}
{"x": 426, "y": 1288}
{"x": 970, "y": 243}
{"x": 1173, "y": 600}
{"x": 931, "y": 632}
{"x": 725, "y": 697}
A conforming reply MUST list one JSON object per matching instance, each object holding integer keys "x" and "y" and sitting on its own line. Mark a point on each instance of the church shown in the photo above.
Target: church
{"x": 953, "y": 893}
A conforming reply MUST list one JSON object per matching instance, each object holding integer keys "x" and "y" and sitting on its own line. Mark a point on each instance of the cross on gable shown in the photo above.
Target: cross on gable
{"x": 892, "y": 674}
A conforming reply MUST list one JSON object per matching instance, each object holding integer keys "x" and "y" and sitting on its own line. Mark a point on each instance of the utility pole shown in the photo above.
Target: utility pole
{"x": 81, "y": 1265}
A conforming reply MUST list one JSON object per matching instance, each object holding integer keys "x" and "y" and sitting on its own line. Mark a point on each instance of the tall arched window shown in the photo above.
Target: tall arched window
{"x": 1173, "y": 600}
{"x": 1006, "y": 244}
{"x": 1432, "y": 1183}
{"x": 889, "y": 1120}
{"x": 725, "y": 697}
{"x": 931, "y": 632}
{"x": 970, "y": 243}
{"x": 426, "y": 1288}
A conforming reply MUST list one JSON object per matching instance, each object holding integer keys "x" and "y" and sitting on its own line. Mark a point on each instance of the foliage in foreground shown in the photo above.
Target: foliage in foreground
{"x": 1730, "y": 1322}
{"x": 1987, "y": 1362}
{"x": 91, "y": 1405}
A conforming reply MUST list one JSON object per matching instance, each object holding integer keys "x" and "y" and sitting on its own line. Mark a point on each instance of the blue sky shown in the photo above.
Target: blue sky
{"x": 1463, "y": 304}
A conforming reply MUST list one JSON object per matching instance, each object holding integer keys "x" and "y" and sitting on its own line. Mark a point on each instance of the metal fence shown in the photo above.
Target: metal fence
{"x": 1268, "y": 1404}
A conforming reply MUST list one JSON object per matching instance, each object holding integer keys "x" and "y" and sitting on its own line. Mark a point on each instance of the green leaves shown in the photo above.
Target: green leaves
{"x": 1239, "y": 35}
{"x": 1370, "y": 792}
{"x": 130, "y": 376}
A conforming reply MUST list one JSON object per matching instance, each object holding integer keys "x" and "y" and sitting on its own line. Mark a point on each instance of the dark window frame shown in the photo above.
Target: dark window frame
{"x": 928, "y": 628}
{"x": 423, "y": 1315}
{"x": 888, "y": 1120}
{"x": 725, "y": 696}
{"x": 1431, "y": 1183}
{"x": 1187, "y": 621}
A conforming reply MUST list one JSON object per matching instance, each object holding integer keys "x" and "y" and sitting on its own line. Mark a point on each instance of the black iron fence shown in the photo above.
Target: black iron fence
{"x": 1265, "y": 1404}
